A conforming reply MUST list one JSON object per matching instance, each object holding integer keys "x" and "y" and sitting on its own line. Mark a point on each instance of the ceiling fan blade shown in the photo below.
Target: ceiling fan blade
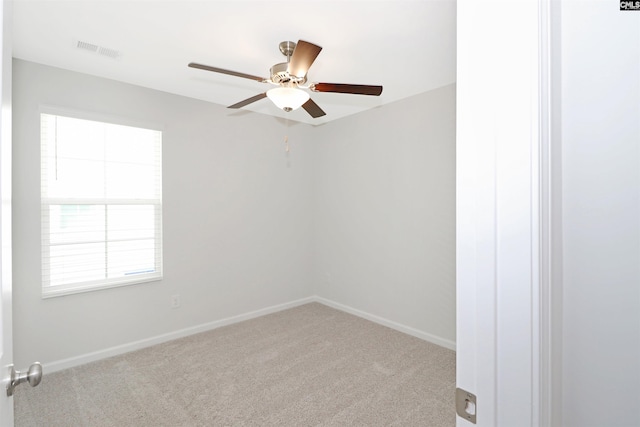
{"x": 303, "y": 56}
{"x": 313, "y": 109}
{"x": 346, "y": 88}
{"x": 248, "y": 101}
{"x": 229, "y": 72}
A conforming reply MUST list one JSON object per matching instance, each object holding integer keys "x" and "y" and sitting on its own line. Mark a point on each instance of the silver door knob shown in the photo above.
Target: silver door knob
{"x": 33, "y": 376}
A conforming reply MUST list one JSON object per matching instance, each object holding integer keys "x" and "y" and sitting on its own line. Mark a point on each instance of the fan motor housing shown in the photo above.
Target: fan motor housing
{"x": 280, "y": 74}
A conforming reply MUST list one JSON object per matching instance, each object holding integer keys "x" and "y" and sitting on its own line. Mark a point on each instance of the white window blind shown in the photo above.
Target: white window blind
{"x": 101, "y": 205}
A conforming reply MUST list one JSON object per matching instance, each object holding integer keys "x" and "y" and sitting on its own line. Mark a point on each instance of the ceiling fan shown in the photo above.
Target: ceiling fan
{"x": 291, "y": 78}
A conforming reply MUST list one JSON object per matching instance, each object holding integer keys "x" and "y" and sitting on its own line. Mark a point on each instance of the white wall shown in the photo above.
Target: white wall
{"x": 385, "y": 213}
{"x": 601, "y": 214}
{"x": 369, "y": 199}
{"x": 237, "y": 218}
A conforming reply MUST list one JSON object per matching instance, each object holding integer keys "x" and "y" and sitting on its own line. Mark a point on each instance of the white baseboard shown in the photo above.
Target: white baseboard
{"x": 147, "y": 342}
{"x": 442, "y": 342}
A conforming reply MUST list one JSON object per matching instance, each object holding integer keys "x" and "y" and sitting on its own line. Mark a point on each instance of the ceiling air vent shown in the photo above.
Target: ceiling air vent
{"x": 87, "y": 46}
{"x": 100, "y": 50}
{"x": 111, "y": 53}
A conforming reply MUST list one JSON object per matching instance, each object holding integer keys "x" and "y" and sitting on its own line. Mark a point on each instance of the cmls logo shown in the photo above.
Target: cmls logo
{"x": 629, "y": 5}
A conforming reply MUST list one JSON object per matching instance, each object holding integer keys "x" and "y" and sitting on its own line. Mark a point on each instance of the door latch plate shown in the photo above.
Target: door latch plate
{"x": 466, "y": 405}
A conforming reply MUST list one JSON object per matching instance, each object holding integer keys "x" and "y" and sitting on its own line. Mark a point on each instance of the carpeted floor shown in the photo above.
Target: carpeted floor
{"x": 307, "y": 366}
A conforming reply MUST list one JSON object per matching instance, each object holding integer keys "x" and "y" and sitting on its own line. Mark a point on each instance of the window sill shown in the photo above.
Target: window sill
{"x": 59, "y": 291}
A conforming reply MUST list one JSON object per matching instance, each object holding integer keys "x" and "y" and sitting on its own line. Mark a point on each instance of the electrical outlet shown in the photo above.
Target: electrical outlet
{"x": 175, "y": 301}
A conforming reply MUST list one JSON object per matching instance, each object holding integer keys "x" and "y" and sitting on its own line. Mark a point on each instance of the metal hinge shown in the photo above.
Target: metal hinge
{"x": 466, "y": 405}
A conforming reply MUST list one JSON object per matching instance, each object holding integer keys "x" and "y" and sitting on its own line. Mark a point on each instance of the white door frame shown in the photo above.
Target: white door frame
{"x": 505, "y": 215}
{"x": 550, "y": 180}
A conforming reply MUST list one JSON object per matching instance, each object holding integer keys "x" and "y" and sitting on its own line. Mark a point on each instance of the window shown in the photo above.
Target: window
{"x": 101, "y": 205}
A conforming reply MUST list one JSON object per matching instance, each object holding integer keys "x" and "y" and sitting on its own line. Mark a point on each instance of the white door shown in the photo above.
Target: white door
{"x": 8, "y": 374}
{"x": 499, "y": 88}
{"x": 6, "y": 339}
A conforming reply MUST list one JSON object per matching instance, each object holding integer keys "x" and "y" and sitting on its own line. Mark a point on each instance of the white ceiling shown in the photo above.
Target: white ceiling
{"x": 406, "y": 46}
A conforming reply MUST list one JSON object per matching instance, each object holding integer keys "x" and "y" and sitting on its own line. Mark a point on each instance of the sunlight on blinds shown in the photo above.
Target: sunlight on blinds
{"x": 101, "y": 205}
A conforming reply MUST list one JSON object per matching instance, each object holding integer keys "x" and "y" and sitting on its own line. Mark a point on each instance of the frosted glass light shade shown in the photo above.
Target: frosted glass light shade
{"x": 288, "y": 98}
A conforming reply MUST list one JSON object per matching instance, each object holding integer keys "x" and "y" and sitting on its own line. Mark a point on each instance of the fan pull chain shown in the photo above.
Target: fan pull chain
{"x": 286, "y": 137}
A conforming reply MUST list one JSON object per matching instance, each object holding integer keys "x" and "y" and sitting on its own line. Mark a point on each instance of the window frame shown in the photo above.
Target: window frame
{"x": 49, "y": 291}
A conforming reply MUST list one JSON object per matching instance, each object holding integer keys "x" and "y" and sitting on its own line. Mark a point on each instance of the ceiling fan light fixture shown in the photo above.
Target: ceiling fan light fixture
{"x": 288, "y": 98}
{"x": 291, "y": 76}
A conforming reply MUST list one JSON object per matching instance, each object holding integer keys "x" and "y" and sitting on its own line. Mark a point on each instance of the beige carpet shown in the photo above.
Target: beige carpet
{"x": 307, "y": 366}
